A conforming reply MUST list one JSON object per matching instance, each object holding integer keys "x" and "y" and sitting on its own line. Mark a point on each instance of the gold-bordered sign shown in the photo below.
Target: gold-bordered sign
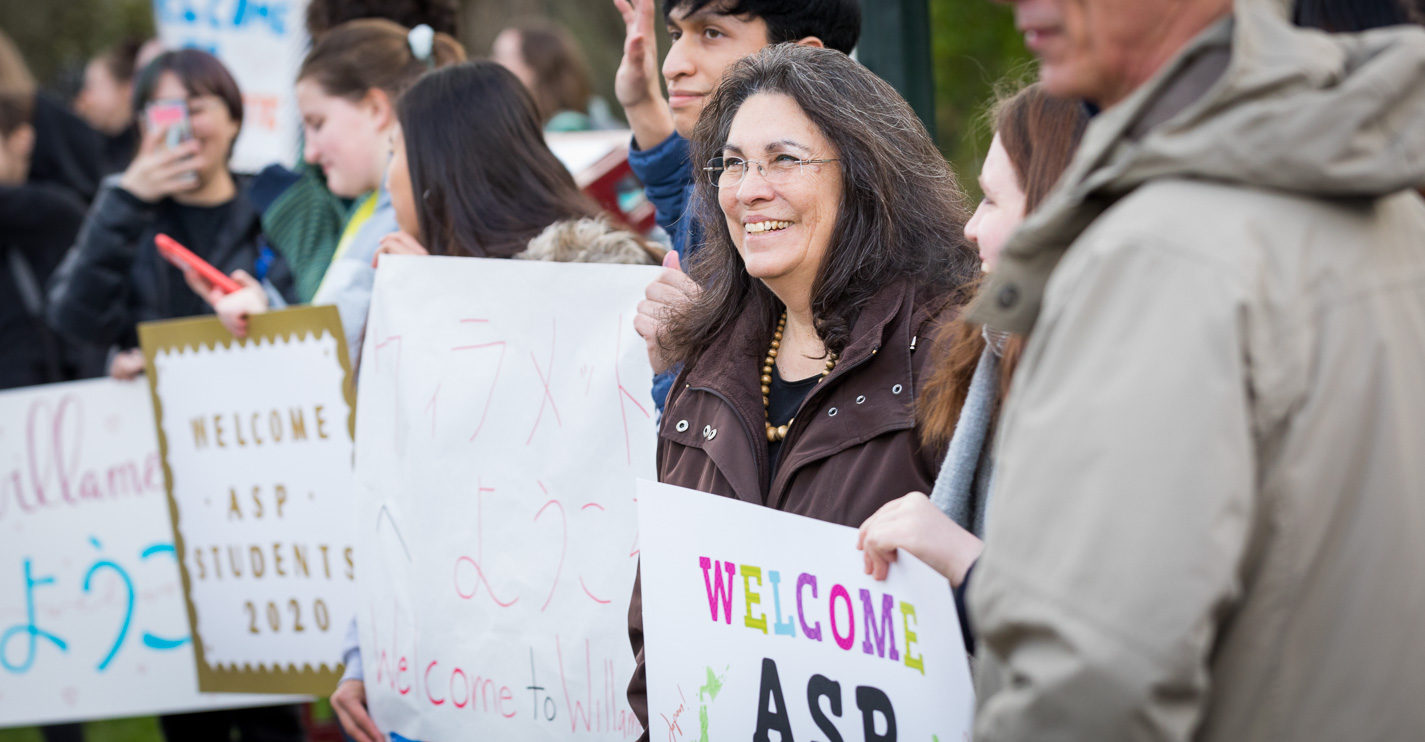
{"x": 196, "y": 335}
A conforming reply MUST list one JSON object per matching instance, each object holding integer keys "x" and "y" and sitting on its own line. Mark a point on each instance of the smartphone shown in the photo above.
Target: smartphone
{"x": 170, "y": 115}
{"x": 182, "y": 257}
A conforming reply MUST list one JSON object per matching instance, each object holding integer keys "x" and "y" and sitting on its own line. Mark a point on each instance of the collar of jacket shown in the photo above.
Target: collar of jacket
{"x": 729, "y": 368}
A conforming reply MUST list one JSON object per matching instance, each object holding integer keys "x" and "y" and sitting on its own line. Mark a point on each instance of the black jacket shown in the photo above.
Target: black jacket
{"x": 38, "y": 222}
{"x": 114, "y": 278}
{"x": 67, "y": 151}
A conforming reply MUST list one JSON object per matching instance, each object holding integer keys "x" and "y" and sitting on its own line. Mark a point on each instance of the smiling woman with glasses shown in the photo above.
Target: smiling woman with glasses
{"x": 834, "y": 237}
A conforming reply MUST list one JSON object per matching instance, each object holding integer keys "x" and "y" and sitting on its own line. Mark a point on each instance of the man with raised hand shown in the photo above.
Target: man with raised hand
{"x": 1209, "y": 518}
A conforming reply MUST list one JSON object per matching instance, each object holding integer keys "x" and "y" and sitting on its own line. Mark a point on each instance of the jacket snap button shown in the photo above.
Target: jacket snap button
{"x": 682, "y": 426}
{"x": 831, "y": 412}
{"x": 896, "y": 389}
{"x": 712, "y": 434}
{"x": 861, "y": 399}
{"x": 707, "y": 430}
{"x": 1008, "y": 296}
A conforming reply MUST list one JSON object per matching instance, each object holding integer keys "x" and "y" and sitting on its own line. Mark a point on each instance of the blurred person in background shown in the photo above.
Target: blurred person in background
{"x": 38, "y": 222}
{"x": 547, "y": 59}
{"x": 106, "y": 102}
{"x": 114, "y": 277}
{"x": 347, "y": 89}
{"x": 66, "y": 151}
{"x": 301, "y": 216}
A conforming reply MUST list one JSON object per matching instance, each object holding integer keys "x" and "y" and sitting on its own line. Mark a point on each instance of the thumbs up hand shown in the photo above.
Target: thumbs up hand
{"x": 669, "y": 291}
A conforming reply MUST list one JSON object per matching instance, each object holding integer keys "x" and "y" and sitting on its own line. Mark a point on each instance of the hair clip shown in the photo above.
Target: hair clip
{"x": 421, "y": 39}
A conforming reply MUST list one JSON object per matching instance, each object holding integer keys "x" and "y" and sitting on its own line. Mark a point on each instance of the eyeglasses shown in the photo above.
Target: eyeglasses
{"x": 728, "y": 172}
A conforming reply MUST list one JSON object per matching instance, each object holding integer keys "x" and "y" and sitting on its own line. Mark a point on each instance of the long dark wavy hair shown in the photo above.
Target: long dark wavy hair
{"x": 485, "y": 182}
{"x": 902, "y": 214}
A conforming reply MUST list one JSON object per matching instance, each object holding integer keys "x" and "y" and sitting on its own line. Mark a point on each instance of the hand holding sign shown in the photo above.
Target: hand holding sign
{"x": 764, "y": 622}
{"x": 914, "y": 524}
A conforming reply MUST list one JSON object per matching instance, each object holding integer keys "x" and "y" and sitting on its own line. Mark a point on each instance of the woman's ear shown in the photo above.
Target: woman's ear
{"x": 378, "y": 105}
{"x": 811, "y": 41}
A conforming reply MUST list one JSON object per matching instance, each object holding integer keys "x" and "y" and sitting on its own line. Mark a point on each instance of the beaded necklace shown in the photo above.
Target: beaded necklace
{"x": 779, "y": 432}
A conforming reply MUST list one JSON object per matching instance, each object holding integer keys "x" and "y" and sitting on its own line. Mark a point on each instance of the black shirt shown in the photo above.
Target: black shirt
{"x": 38, "y": 222}
{"x": 786, "y": 398}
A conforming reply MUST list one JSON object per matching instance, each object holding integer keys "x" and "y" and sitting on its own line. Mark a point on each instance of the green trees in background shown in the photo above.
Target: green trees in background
{"x": 976, "y": 48}
{"x": 57, "y": 37}
{"x": 974, "y": 42}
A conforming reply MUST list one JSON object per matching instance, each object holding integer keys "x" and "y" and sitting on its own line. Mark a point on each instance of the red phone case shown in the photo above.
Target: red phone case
{"x": 183, "y": 257}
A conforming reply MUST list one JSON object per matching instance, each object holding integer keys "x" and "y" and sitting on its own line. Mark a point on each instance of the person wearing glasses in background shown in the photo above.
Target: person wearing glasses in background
{"x": 834, "y": 238}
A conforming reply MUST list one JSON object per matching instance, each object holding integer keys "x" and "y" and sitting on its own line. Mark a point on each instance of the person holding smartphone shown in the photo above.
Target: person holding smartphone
{"x": 179, "y": 184}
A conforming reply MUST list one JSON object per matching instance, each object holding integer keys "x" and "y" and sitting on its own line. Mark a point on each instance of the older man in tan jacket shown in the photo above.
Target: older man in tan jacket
{"x": 1209, "y": 521}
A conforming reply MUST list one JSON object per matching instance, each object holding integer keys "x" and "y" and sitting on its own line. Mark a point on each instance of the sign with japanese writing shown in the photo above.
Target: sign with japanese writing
{"x": 262, "y": 43}
{"x": 504, "y": 416}
{"x": 92, "y": 620}
{"x": 758, "y": 621}
{"x": 256, "y": 440}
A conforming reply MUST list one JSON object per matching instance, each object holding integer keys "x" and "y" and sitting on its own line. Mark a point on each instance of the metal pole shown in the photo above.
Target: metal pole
{"x": 895, "y": 44}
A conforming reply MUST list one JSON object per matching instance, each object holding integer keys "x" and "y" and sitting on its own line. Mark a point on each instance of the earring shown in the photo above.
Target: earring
{"x": 426, "y": 196}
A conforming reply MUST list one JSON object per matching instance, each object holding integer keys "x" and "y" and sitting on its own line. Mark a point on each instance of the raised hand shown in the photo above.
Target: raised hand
{"x": 636, "y": 84}
{"x": 158, "y": 172}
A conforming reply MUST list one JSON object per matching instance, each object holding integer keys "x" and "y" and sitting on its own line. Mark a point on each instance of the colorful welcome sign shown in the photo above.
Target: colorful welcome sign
{"x": 757, "y": 621}
{"x": 92, "y": 619}
{"x": 504, "y": 418}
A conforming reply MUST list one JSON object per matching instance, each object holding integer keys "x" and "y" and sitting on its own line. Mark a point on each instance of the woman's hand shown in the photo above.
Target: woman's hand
{"x": 158, "y": 172}
{"x": 126, "y": 365}
{"x": 914, "y": 523}
{"x": 349, "y": 703}
{"x": 234, "y": 309}
{"x": 671, "y": 288}
{"x": 397, "y": 243}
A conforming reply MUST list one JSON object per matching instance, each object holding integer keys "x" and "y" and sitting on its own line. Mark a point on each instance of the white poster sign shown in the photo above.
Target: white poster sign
{"x": 262, "y": 43}
{"x": 92, "y": 619}
{"x": 504, "y": 416}
{"x": 256, "y": 436}
{"x": 758, "y": 621}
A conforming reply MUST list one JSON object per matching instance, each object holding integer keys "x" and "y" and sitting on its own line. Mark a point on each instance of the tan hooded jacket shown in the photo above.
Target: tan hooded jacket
{"x": 1209, "y": 514}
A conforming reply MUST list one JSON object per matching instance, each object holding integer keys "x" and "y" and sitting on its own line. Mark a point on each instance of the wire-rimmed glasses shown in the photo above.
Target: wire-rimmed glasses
{"x": 728, "y": 172}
